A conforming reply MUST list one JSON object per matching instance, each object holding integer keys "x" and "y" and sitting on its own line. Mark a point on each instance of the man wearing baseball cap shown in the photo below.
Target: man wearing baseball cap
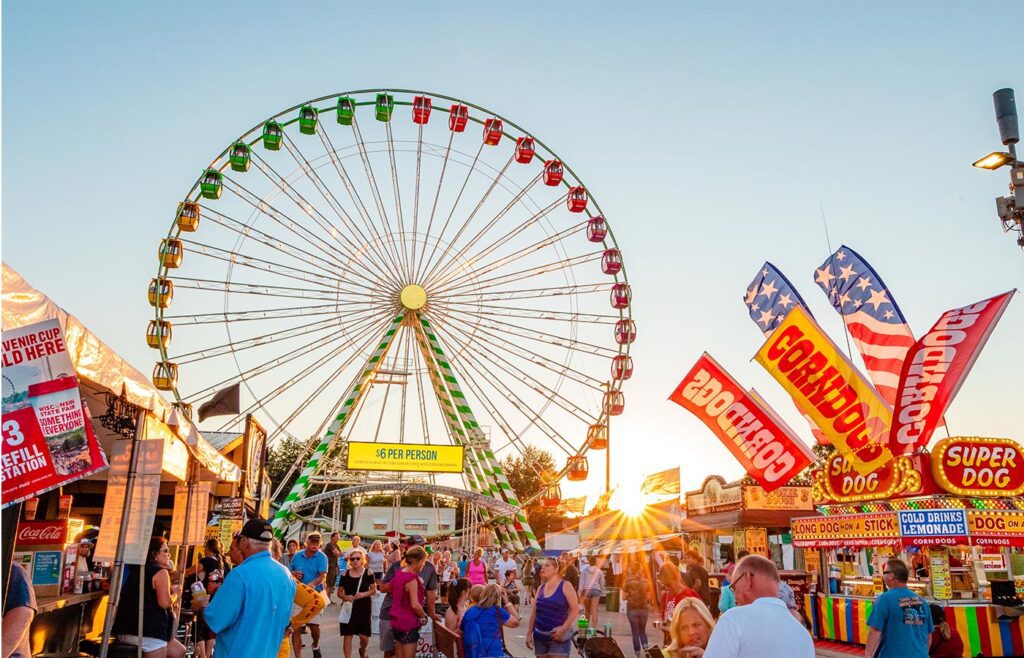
{"x": 253, "y": 606}
{"x": 431, "y": 582}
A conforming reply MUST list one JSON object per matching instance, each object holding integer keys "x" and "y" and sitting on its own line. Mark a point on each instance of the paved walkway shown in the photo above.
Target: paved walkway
{"x": 515, "y": 638}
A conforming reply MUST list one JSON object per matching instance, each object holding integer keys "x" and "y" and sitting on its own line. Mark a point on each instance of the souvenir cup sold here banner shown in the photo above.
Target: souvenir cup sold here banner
{"x": 48, "y": 439}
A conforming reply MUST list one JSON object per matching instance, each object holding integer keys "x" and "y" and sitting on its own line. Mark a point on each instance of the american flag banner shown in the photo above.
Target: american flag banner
{"x": 872, "y": 317}
{"x": 770, "y": 296}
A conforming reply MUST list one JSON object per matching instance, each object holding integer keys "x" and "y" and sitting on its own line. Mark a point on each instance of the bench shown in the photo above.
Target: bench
{"x": 448, "y": 642}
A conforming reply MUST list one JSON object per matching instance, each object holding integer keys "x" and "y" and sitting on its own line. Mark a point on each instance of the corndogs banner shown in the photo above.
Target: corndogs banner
{"x": 766, "y": 450}
{"x": 826, "y": 386}
{"x": 936, "y": 367}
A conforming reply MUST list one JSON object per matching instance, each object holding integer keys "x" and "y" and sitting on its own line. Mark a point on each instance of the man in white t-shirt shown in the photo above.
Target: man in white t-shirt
{"x": 503, "y": 565}
{"x": 761, "y": 625}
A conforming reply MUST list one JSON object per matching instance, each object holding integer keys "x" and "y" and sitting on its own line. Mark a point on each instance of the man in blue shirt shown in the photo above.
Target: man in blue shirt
{"x": 19, "y": 610}
{"x": 309, "y": 567}
{"x": 900, "y": 622}
{"x": 253, "y": 606}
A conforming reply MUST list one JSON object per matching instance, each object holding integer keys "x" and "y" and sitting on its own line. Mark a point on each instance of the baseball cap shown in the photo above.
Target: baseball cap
{"x": 258, "y": 529}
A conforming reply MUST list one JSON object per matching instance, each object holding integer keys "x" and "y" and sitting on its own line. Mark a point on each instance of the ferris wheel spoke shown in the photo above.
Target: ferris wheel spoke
{"x": 214, "y": 285}
{"x": 474, "y": 297}
{"x": 530, "y": 221}
{"x": 427, "y": 264}
{"x": 545, "y": 337}
{"x": 523, "y": 275}
{"x": 464, "y": 356}
{"x": 256, "y": 341}
{"x": 536, "y": 313}
{"x": 364, "y": 215}
{"x": 330, "y": 250}
{"x": 357, "y": 334}
{"x": 505, "y": 261}
{"x": 300, "y": 201}
{"x": 260, "y": 264}
{"x": 472, "y": 215}
{"x": 437, "y": 196}
{"x": 378, "y": 199}
{"x": 248, "y": 316}
{"x": 537, "y": 385}
{"x": 271, "y": 242}
{"x": 398, "y": 201}
{"x": 498, "y": 341}
{"x": 263, "y": 400}
{"x": 416, "y": 199}
{"x": 446, "y": 272}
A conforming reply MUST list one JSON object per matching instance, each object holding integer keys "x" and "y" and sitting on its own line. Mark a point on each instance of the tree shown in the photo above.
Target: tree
{"x": 525, "y": 473}
{"x": 280, "y": 458}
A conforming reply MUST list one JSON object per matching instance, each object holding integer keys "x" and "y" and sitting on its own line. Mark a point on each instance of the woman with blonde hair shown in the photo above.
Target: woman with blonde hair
{"x": 690, "y": 629}
{"x": 375, "y": 560}
{"x": 356, "y": 586}
{"x": 481, "y": 624}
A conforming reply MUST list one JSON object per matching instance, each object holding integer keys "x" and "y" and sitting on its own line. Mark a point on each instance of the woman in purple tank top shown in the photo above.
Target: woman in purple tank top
{"x": 407, "y": 593}
{"x": 549, "y": 632}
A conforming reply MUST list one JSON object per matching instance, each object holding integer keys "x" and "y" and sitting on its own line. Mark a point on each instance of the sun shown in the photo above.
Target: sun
{"x": 630, "y": 501}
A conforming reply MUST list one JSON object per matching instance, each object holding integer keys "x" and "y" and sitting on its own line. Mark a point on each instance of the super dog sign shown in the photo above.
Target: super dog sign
{"x": 975, "y": 466}
{"x": 768, "y": 452}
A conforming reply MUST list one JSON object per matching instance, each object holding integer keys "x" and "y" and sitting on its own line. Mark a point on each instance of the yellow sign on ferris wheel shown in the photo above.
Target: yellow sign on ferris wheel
{"x": 416, "y": 457}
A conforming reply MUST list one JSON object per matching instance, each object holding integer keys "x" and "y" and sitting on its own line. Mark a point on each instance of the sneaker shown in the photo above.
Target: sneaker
{"x": 316, "y": 652}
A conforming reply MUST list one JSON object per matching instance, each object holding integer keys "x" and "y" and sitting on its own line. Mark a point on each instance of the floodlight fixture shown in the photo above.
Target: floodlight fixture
{"x": 994, "y": 160}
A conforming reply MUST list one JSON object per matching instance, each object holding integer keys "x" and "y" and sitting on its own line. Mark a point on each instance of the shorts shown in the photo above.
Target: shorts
{"x": 406, "y": 637}
{"x": 387, "y": 640}
{"x": 544, "y": 645}
{"x": 592, "y": 593}
{"x": 148, "y": 643}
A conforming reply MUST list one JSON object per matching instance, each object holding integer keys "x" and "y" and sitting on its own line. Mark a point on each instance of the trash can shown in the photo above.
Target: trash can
{"x": 612, "y": 600}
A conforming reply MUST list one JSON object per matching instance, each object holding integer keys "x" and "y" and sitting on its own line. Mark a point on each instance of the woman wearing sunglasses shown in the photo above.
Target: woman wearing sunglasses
{"x": 356, "y": 586}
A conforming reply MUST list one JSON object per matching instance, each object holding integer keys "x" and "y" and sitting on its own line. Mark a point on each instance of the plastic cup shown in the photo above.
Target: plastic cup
{"x": 31, "y": 507}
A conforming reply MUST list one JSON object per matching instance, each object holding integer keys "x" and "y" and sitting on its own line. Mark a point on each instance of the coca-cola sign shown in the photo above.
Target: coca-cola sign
{"x": 46, "y": 533}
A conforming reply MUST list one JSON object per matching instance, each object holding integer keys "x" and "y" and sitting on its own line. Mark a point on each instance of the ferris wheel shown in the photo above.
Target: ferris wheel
{"x": 398, "y": 266}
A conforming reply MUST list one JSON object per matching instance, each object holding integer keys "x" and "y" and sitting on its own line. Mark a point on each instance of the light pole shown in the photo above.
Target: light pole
{"x": 1010, "y": 208}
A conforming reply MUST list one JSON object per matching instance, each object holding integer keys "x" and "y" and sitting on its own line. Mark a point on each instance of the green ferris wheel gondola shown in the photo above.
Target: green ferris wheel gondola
{"x": 273, "y": 133}
{"x": 346, "y": 110}
{"x": 307, "y": 120}
{"x": 239, "y": 156}
{"x": 211, "y": 184}
{"x": 385, "y": 107}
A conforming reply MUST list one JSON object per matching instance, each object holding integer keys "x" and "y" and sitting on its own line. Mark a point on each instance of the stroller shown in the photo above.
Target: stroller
{"x": 597, "y": 646}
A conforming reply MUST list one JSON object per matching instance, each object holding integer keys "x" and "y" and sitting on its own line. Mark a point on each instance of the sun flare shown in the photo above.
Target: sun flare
{"x": 631, "y": 501}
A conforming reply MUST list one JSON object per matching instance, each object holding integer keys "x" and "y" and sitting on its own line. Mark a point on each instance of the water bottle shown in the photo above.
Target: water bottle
{"x": 608, "y": 629}
{"x": 581, "y": 622}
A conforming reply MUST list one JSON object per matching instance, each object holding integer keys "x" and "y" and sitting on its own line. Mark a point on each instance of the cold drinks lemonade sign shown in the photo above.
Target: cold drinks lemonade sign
{"x": 47, "y": 438}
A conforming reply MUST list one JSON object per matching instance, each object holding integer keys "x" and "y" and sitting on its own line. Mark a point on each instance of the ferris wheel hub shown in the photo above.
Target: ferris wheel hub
{"x": 413, "y": 297}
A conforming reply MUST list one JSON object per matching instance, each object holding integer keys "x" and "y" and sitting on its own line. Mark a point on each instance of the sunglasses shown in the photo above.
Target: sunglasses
{"x": 355, "y": 559}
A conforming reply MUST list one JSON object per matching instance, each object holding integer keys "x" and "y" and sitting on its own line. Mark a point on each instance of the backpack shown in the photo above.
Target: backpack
{"x": 636, "y": 593}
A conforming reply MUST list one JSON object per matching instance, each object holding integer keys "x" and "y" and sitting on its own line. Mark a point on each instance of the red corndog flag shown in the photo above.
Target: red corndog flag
{"x": 768, "y": 452}
{"x": 936, "y": 367}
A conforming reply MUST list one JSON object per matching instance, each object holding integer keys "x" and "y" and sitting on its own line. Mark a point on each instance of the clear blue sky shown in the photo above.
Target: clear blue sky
{"x": 711, "y": 133}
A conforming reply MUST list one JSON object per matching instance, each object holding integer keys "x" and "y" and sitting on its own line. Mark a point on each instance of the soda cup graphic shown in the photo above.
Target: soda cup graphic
{"x": 64, "y": 507}
{"x": 58, "y": 407}
{"x": 31, "y": 505}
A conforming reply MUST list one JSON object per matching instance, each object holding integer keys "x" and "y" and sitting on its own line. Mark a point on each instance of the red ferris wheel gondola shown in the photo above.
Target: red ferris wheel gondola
{"x": 611, "y": 261}
{"x": 597, "y": 228}
{"x": 458, "y": 117}
{"x": 577, "y": 199}
{"x": 525, "y": 149}
{"x": 622, "y": 367}
{"x": 492, "y": 131}
{"x": 421, "y": 109}
{"x": 578, "y": 468}
{"x": 553, "y": 172}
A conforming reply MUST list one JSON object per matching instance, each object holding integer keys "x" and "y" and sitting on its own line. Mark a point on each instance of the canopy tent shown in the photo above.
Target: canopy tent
{"x": 100, "y": 369}
{"x": 666, "y": 542}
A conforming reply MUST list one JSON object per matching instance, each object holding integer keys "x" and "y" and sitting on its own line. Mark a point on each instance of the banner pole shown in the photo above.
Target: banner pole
{"x": 117, "y": 571}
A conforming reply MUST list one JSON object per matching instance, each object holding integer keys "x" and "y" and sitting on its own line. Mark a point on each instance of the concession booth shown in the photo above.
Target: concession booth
{"x": 955, "y": 516}
{"x": 722, "y": 518}
{"x": 71, "y": 527}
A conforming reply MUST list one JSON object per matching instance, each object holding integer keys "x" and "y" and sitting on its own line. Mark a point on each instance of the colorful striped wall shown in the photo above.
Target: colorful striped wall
{"x": 845, "y": 620}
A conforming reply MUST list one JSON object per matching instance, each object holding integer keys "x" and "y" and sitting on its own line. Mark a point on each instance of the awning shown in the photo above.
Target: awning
{"x": 668, "y": 542}
{"x": 740, "y": 519}
{"x": 101, "y": 366}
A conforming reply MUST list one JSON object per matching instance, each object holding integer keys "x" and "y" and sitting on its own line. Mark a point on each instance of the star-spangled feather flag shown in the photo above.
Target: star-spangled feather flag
{"x": 770, "y": 296}
{"x": 662, "y": 483}
{"x": 875, "y": 322}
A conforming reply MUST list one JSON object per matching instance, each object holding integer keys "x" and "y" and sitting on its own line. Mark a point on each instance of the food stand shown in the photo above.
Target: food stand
{"x": 955, "y": 516}
{"x": 119, "y": 404}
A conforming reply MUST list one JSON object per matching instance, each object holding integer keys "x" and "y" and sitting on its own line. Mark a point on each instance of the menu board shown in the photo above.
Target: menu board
{"x": 942, "y": 581}
{"x": 197, "y": 514}
{"x": 757, "y": 541}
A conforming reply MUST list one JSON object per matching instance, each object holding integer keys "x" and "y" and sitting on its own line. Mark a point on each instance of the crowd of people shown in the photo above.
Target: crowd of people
{"x": 260, "y": 599}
